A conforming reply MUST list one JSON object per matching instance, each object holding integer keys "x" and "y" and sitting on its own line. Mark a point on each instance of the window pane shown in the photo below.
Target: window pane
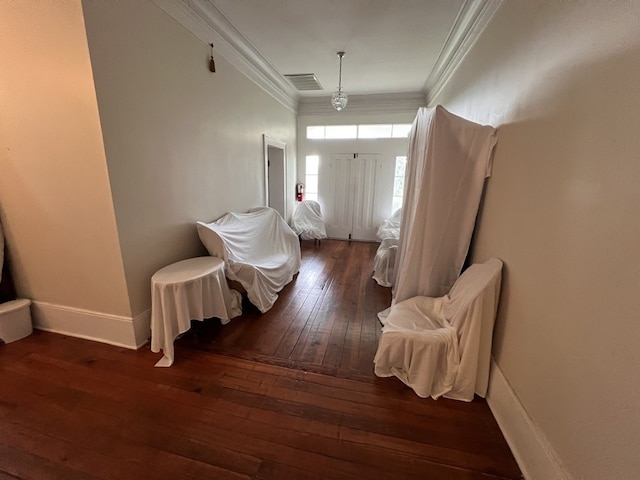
{"x": 374, "y": 131}
{"x": 316, "y": 131}
{"x": 398, "y": 187}
{"x": 311, "y": 184}
{"x": 341, "y": 131}
{"x": 401, "y": 130}
{"x": 311, "y": 196}
{"x": 312, "y": 164}
{"x": 401, "y": 166}
{"x": 396, "y": 204}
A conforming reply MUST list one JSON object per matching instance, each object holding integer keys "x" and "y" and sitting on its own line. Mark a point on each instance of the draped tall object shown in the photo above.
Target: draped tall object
{"x": 448, "y": 160}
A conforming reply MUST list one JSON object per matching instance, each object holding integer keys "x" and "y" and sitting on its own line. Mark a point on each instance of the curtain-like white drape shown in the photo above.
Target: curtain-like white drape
{"x": 448, "y": 160}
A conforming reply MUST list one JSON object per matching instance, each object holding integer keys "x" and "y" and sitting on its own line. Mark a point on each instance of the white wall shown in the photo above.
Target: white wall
{"x": 560, "y": 80}
{"x": 115, "y": 139}
{"x": 182, "y": 143}
{"x": 55, "y": 196}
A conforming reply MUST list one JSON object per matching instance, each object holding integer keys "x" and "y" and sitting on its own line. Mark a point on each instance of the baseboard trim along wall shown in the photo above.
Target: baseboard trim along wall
{"x": 531, "y": 449}
{"x": 142, "y": 328}
{"x": 100, "y": 327}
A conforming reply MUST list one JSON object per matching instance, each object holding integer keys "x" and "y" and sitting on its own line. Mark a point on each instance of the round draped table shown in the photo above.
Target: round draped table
{"x": 192, "y": 289}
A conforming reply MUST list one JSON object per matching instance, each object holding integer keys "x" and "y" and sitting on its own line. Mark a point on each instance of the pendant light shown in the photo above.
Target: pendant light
{"x": 339, "y": 99}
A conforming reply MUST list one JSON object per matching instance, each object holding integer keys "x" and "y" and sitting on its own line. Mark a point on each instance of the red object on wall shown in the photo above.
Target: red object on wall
{"x": 300, "y": 192}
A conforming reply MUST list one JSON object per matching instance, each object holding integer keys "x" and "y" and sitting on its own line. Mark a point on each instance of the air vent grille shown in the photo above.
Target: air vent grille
{"x": 304, "y": 81}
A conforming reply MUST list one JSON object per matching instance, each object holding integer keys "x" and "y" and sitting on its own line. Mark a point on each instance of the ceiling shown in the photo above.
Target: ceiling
{"x": 392, "y": 46}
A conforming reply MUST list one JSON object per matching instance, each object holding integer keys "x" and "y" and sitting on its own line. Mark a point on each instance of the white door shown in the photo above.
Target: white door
{"x": 346, "y": 190}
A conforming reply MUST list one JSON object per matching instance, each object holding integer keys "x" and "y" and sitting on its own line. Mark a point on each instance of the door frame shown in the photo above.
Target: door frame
{"x": 280, "y": 145}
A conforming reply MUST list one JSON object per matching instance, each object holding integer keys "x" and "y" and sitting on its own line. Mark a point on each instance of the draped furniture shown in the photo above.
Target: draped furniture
{"x": 259, "y": 249}
{"x": 191, "y": 289}
{"x": 385, "y": 259}
{"x": 448, "y": 160}
{"x": 308, "y": 222}
{"x": 441, "y": 346}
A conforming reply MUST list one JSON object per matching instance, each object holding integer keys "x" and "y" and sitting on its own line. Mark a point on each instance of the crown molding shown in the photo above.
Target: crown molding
{"x": 365, "y": 104}
{"x": 473, "y": 18}
{"x": 206, "y": 22}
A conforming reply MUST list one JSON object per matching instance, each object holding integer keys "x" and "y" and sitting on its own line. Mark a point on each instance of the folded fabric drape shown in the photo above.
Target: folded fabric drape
{"x": 442, "y": 346}
{"x": 385, "y": 260}
{"x": 259, "y": 249}
{"x": 308, "y": 222}
{"x": 448, "y": 160}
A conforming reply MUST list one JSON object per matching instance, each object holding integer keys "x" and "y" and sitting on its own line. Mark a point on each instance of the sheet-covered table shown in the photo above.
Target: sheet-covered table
{"x": 192, "y": 289}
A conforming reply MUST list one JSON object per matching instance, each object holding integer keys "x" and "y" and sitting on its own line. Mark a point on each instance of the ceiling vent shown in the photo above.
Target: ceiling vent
{"x": 304, "y": 81}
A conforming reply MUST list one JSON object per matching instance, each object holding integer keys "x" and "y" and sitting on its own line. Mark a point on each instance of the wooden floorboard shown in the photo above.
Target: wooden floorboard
{"x": 289, "y": 394}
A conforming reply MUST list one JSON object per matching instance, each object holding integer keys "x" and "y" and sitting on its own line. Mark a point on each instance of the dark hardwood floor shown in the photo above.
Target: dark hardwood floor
{"x": 289, "y": 394}
{"x": 324, "y": 321}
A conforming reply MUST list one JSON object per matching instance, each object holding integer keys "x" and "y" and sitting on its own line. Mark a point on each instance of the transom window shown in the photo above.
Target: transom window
{"x": 337, "y": 132}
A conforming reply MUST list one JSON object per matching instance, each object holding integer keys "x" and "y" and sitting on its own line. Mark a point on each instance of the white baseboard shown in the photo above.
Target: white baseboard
{"x": 531, "y": 449}
{"x": 101, "y": 327}
{"x": 142, "y": 328}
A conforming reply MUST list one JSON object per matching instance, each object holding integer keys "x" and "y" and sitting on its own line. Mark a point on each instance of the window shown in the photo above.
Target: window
{"x": 311, "y": 177}
{"x": 340, "y": 131}
{"x": 315, "y": 132}
{"x": 401, "y": 130}
{"x": 337, "y": 132}
{"x": 374, "y": 131}
{"x": 398, "y": 183}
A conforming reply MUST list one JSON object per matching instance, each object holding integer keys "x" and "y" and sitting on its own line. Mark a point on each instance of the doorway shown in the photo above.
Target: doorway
{"x": 275, "y": 167}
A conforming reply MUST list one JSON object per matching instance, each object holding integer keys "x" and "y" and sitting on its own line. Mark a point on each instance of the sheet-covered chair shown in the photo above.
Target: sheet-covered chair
{"x": 385, "y": 260}
{"x": 442, "y": 346}
{"x": 259, "y": 249}
{"x": 307, "y": 221}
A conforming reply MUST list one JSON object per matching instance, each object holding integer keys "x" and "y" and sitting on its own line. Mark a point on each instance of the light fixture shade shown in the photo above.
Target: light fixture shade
{"x": 339, "y": 100}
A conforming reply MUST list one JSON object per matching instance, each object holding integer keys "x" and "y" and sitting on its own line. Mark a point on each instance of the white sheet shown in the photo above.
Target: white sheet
{"x": 384, "y": 262}
{"x": 192, "y": 289}
{"x": 442, "y": 346}
{"x": 390, "y": 228}
{"x": 449, "y": 158}
{"x": 385, "y": 259}
{"x": 259, "y": 249}
{"x": 307, "y": 221}
{"x": 419, "y": 346}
